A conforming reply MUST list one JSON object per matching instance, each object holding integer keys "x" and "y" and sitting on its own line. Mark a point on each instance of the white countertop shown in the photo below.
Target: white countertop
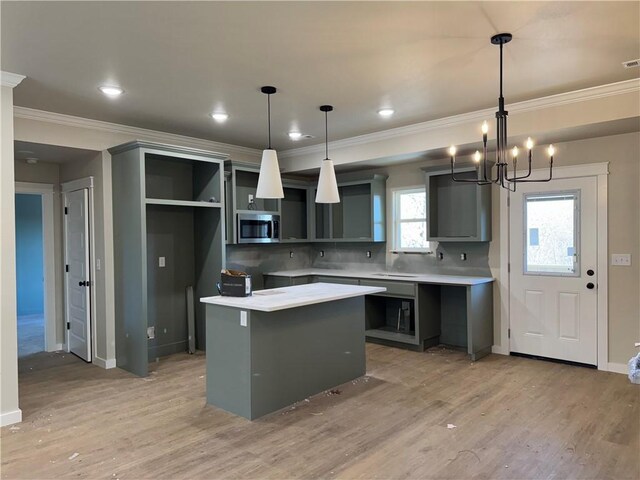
{"x": 275, "y": 299}
{"x": 390, "y": 276}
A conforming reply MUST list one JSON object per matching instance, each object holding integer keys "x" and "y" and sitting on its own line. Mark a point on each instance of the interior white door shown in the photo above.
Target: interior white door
{"x": 553, "y": 278}
{"x": 78, "y": 281}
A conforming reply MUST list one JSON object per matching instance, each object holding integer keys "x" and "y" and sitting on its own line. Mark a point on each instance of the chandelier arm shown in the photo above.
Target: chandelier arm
{"x": 515, "y": 178}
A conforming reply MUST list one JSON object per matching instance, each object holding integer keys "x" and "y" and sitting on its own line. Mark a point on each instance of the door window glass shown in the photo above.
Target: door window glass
{"x": 551, "y": 236}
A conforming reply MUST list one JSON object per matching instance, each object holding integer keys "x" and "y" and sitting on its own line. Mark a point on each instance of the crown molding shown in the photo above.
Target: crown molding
{"x": 583, "y": 95}
{"x": 135, "y": 132}
{"x": 12, "y": 80}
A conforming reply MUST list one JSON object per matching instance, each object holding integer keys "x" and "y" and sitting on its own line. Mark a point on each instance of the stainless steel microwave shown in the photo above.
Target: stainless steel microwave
{"x": 258, "y": 228}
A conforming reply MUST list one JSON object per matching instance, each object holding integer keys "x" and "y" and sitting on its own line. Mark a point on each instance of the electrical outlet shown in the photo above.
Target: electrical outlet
{"x": 621, "y": 259}
{"x": 440, "y": 256}
{"x": 162, "y": 262}
{"x": 368, "y": 253}
{"x": 243, "y": 318}
{"x": 250, "y": 198}
{"x": 151, "y": 333}
{"x": 322, "y": 253}
{"x": 290, "y": 254}
{"x": 463, "y": 256}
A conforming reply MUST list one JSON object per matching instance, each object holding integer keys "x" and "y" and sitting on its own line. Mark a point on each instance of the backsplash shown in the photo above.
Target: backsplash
{"x": 259, "y": 259}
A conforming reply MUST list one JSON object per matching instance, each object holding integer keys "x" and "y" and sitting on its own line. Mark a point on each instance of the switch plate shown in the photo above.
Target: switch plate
{"x": 161, "y": 262}
{"x": 97, "y": 264}
{"x": 368, "y": 253}
{"x": 621, "y": 259}
{"x": 151, "y": 333}
{"x": 243, "y": 318}
{"x": 250, "y": 198}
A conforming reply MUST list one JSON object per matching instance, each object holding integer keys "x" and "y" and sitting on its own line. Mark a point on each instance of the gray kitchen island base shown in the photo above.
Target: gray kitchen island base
{"x": 283, "y": 356}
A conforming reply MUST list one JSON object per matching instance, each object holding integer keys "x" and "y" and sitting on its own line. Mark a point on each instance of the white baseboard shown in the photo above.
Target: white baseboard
{"x": 57, "y": 347}
{"x": 618, "y": 368}
{"x": 500, "y": 350}
{"x": 106, "y": 364}
{"x": 9, "y": 418}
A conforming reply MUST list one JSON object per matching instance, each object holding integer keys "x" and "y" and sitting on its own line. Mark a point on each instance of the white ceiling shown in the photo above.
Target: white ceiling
{"x": 178, "y": 61}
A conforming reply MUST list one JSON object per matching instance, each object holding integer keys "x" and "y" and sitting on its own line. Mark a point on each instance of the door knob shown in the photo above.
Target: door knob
{"x": 590, "y": 286}
{"x": 83, "y": 284}
{"x": 590, "y": 272}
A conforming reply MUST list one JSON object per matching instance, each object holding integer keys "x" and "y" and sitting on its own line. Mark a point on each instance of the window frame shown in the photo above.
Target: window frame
{"x": 396, "y": 221}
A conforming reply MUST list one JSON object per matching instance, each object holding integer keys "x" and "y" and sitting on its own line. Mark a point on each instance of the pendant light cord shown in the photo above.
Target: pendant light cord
{"x": 326, "y": 136}
{"x": 269, "y": 115}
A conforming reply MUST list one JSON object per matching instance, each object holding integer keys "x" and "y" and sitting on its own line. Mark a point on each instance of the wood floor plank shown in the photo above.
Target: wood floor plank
{"x": 514, "y": 418}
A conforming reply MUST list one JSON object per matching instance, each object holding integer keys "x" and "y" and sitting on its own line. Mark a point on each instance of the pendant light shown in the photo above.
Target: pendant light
{"x": 327, "y": 191}
{"x": 269, "y": 181}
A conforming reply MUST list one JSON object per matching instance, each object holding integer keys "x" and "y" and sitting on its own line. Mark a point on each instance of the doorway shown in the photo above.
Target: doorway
{"x": 35, "y": 269}
{"x": 557, "y": 280}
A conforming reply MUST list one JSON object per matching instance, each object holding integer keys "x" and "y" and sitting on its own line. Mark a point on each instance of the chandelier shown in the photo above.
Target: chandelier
{"x": 498, "y": 171}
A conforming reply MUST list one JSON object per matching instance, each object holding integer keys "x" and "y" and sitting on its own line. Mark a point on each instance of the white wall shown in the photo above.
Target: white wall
{"x": 9, "y": 411}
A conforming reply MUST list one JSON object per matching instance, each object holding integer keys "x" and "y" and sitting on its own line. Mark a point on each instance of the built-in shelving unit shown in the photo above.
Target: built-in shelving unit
{"x": 168, "y": 217}
{"x": 294, "y": 212}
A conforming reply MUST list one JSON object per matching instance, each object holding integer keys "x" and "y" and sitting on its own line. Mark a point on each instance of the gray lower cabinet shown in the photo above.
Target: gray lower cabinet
{"x": 168, "y": 226}
{"x": 419, "y": 315}
{"x": 457, "y": 211}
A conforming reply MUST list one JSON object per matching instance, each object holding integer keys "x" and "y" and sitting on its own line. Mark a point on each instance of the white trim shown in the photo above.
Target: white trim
{"x": 58, "y": 347}
{"x": 586, "y": 94}
{"x": 46, "y": 192}
{"x": 78, "y": 184}
{"x": 135, "y": 132}
{"x": 9, "y": 418}
{"x": 602, "y": 180}
{"x": 11, "y": 80}
{"x": 622, "y": 368}
{"x": 499, "y": 350}
{"x": 102, "y": 363}
{"x": 600, "y": 171}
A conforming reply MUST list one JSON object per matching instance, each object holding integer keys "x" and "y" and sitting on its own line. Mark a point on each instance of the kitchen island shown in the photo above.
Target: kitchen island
{"x": 281, "y": 345}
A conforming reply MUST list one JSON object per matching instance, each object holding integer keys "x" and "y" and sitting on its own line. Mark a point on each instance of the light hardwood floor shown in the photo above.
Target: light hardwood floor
{"x": 513, "y": 417}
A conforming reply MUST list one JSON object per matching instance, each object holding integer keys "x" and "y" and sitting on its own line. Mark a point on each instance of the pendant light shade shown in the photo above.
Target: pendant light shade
{"x": 327, "y": 191}
{"x": 269, "y": 181}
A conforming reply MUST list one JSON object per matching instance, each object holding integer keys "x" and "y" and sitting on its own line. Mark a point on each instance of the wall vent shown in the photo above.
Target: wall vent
{"x": 631, "y": 63}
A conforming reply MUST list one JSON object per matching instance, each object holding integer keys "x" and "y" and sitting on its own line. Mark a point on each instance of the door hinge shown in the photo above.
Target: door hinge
{"x": 508, "y": 202}
{"x": 66, "y": 268}
{"x": 68, "y": 326}
{"x": 66, "y": 210}
{"x": 509, "y": 333}
{"x": 508, "y": 267}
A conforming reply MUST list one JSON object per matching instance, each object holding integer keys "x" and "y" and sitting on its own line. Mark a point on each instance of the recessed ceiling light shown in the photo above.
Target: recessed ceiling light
{"x": 386, "y": 112}
{"x": 111, "y": 91}
{"x": 220, "y": 116}
{"x": 295, "y": 135}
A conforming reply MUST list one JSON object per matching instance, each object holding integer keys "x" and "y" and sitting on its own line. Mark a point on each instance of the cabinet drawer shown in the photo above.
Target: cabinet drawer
{"x": 341, "y": 280}
{"x": 393, "y": 288}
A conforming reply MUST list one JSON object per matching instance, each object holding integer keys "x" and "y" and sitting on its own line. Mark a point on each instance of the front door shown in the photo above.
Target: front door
{"x": 78, "y": 308}
{"x": 553, "y": 278}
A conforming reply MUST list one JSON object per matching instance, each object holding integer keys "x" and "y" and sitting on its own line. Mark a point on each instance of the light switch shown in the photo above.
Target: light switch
{"x": 243, "y": 318}
{"x": 621, "y": 259}
{"x": 97, "y": 264}
{"x": 151, "y": 332}
{"x": 161, "y": 262}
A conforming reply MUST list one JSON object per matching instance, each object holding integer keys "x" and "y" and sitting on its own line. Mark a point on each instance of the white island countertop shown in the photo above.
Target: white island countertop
{"x": 394, "y": 276}
{"x": 275, "y": 299}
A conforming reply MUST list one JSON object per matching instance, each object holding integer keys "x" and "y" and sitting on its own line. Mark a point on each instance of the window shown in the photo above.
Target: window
{"x": 551, "y": 236}
{"x": 410, "y": 219}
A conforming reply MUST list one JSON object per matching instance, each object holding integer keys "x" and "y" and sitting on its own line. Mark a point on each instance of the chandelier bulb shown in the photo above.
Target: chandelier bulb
{"x": 477, "y": 156}
{"x": 452, "y": 150}
{"x": 514, "y": 152}
{"x": 485, "y": 127}
{"x": 551, "y": 150}
{"x": 529, "y": 143}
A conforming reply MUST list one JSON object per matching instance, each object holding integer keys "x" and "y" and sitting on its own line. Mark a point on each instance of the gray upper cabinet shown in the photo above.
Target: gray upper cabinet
{"x": 457, "y": 212}
{"x": 168, "y": 229}
{"x": 294, "y": 212}
{"x": 360, "y": 215}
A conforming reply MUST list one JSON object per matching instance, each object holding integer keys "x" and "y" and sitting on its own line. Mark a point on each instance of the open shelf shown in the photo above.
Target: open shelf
{"x": 181, "y": 203}
{"x": 392, "y": 335}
